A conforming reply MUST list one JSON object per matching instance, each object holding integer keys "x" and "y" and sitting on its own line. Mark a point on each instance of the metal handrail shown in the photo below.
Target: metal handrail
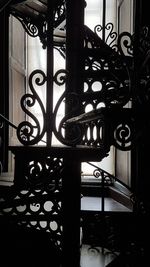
{"x": 13, "y": 125}
{"x": 9, "y": 122}
{"x": 110, "y": 175}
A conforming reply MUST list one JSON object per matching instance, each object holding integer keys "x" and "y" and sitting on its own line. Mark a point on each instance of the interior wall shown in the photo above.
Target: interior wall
{"x": 17, "y": 78}
{"x": 123, "y": 158}
{"x": 4, "y": 106}
{"x": 125, "y": 15}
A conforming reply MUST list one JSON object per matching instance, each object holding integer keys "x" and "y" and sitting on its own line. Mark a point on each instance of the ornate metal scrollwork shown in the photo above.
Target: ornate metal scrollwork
{"x": 27, "y": 132}
{"x": 123, "y": 136}
{"x": 60, "y": 12}
{"x": 125, "y": 44}
{"x": 93, "y": 133}
{"x": 112, "y": 89}
{"x": 111, "y": 35}
{"x": 122, "y": 43}
{"x": 60, "y": 77}
{"x": 33, "y": 27}
{"x": 37, "y": 203}
{"x": 143, "y": 92}
{"x": 107, "y": 75}
{"x": 106, "y": 63}
{"x": 38, "y": 26}
{"x": 144, "y": 41}
{"x": 30, "y": 210}
{"x": 65, "y": 133}
{"x": 29, "y": 26}
{"x": 43, "y": 171}
{"x": 101, "y": 174}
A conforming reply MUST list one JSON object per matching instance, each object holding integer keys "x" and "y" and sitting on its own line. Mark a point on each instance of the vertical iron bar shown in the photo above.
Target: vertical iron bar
{"x": 136, "y": 58}
{"x": 102, "y": 211}
{"x": 103, "y": 200}
{"x": 72, "y": 171}
{"x": 103, "y": 20}
{"x": 49, "y": 92}
{"x": 136, "y": 169}
{"x": 103, "y": 192}
{"x": 74, "y": 46}
{"x": 71, "y": 180}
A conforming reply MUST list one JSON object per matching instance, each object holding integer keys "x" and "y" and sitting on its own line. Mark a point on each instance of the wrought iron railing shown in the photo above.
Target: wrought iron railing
{"x": 108, "y": 178}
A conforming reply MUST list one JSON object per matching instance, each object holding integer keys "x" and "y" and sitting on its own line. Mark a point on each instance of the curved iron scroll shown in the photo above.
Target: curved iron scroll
{"x": 66, "y": 135}
{"x": 38, "y": 26}
{"x": 37, "y": 201}
{"x": 27, "y": 132}
{"x": 29, "y": 26}
{"x": 122, "y": 43}
{"x": 108, "y": 63}
{"x": 111, "y": 35}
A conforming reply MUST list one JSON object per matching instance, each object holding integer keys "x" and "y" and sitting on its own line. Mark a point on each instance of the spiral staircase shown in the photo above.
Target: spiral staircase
{"x": 42, "y": 211}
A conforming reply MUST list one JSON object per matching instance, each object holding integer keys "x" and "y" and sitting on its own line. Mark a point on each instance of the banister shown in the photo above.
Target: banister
{"x": 110, "y": 175}
{"x": 13, "y": 125}
{"x": 9, "y": 122}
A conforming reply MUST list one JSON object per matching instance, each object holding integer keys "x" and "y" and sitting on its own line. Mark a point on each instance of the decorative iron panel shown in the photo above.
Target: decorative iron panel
{"x": 35, "y": 199}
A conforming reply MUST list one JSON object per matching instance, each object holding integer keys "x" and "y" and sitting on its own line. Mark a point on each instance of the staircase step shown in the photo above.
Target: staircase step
{"x": 95, "y": 256}
{"x": 95, "y": 204}
{"x": 6, "y": 178}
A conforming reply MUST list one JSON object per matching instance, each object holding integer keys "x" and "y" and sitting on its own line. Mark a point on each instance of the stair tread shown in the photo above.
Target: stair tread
{"x": 95, "y": 204}
{"x": 95, "y": 257}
